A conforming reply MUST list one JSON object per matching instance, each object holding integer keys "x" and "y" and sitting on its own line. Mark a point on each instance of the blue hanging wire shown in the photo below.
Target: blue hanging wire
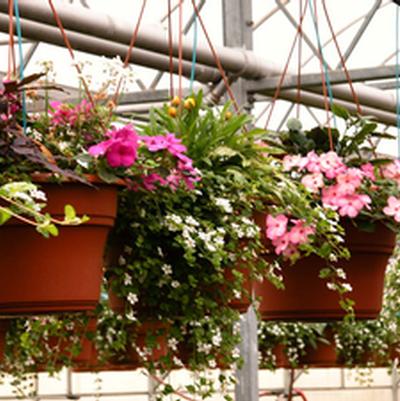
{"x": 194, "y": 52}
{"x": 325, "y": 65}
{"x": 398, "y": 79}
{"x": 21, "y": 61}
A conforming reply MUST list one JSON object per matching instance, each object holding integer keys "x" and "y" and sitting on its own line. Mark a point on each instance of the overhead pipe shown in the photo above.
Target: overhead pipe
{"x": 46, "y": 33}
{"x": 101, "y": 25}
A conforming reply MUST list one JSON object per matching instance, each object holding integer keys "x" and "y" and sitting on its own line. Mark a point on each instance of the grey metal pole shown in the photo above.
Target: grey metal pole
{"x": 49, "y": 34}
{"x": 237, "y": 22}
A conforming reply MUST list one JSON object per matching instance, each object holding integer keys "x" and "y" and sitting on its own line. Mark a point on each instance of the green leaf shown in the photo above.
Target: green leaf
{"x": 70, "y": 213}
{"x": 4, "y": 216}
{"x": 340, "y": 111}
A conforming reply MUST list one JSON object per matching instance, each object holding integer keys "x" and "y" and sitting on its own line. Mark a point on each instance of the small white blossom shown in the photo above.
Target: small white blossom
{"x": 191, "y": 221}
{"x": 224, "y": 204}
{"x": 127, "y": 279}
{"x": 175, "y": 284}
{"x": 167, "y": 269}
{"x": 132, "y": 298}
{"x": 121, "y": 260}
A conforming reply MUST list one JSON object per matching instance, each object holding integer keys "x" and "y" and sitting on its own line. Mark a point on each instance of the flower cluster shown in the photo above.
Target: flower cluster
{"x": 342, "y": 188}
{"x": 124, "y": 147}
{"x": 62, "y": 114}
{"x": 285, "y": 239}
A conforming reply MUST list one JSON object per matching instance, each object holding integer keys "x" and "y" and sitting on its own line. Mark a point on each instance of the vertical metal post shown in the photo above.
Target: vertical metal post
{"x": 247, "y": 377}
{"x": 237, "y": 26}
{"x": 395, "y": 380}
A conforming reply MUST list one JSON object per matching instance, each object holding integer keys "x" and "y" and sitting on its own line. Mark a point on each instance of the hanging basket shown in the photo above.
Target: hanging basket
{"x": 306, "y": 296}
{"x": 62, "y": 273}
{"x": 131, "y": 358}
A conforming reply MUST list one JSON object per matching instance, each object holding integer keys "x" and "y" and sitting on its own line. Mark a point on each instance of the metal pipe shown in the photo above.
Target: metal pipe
{"x": 101, "y": 25}
{"x": 49, "y": 34}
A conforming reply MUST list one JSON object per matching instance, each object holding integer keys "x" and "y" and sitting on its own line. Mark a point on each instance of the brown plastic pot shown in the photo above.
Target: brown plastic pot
{"x": 306, "y": 296}
{"x": 131, "y": 359}
{"x": 61, "y": 273}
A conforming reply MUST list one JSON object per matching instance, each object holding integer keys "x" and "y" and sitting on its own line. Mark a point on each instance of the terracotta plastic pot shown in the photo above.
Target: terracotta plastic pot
{"x": 306, "y": 296}
{"x": 131, "y": 359}
{"x": 323, "y": 356}
{"x": 61, "y": 273}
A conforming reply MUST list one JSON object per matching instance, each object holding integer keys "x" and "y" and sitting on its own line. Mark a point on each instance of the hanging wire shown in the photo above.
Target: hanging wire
{"x": 398, "y": 79}
{"x": 194, "y": 54}
{"x": 326, "y": 84}
{"x": 11, "y": 54}
{"x": 284, "y": 72}
{"x": 180, "y": 48}
{"x": 170, "y": 51}
{"x": 21, "y": 61}
{"x": 342, "y": 60}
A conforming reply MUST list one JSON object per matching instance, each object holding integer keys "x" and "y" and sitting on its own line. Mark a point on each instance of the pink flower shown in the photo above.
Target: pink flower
{"x": 281, "y": 244}
{"x": 313, "y": 181}
{"x": 330, "y": 196}
{"x": 294, "y": 161}
{"x": 331, "y": 164}
{"x": 351, "y": 205}
{"x": 392, "y": 171}
{"x": 348, "y": 182}
{"x": 290, "y": 251}
{"x": 313, "y": 163}
{"x": 393, "y": 208}
{"x": 150, "y": 180}
{"x": 368, "y": 171}
{"x": 155, "y": 143}
{"x": 121, "y": 149}
{"x": 276, "y": 226}
{"x": 299, "y": 233}
{"x": 121, "y": 154}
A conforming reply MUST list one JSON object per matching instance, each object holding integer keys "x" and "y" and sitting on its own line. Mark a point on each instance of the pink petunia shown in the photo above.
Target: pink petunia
{"x": 348, "y": 182}
{"x": 294, "y": 161}
{"x": 299, "y": 233}
{"x": 276, "y": 226}
{"x": 313, "y": 182}
{"x": 281, "y": 244}
{"x": 351, "y": 205}
{"x": 393, "y": 208}
{"x": 121, "y": 149}
{"x": 368, "y": 171}
{"x": 331, "y": 164}
{"x": 313, "y": 163}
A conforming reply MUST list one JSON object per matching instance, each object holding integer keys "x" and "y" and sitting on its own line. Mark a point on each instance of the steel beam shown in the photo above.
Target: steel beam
{"x": 335, "y": 77}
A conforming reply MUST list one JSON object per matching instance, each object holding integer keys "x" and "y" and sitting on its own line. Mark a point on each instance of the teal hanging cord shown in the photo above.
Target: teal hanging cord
{"x": 194, "y": 53}
{"x": 398, "y": 79}
{"x": 21, "y": 61}
{"x": 325, "y": 65}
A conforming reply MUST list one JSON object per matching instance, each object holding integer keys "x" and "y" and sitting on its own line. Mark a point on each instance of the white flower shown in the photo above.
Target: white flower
{"x": 127, "y": 279}
{"x": 224, "y": 204}
{"x": 121, "y": 260}
{"x": 347, "y": 287}
{"x": 341, "y": 273}
{"x": 175, "y": 284}
{"x": 132, "y": 298}
{"x": 191, "y": 221}
{"x": 217, "y": 339}
{"x": 128, "y": 250}
{"x": 173, "y": 222}
{"x": 167, "y": 269}
{"x": 131, "y": 316}
{"x": 37, "y": 194}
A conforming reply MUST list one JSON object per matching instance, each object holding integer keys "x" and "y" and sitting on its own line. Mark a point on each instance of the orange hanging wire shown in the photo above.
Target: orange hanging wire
{"x": 298, "y": 96}
{"x": 11, "y": 53}
{"x": 180, "y": 50}
{"x": 283, "y": 75}
{"x": 170, "y": 51}
{"x": 71, "y": 52}
{"x": 342, "y": 61}
{"x": 129, "y": 52}
{"x": 217, "y": 59}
